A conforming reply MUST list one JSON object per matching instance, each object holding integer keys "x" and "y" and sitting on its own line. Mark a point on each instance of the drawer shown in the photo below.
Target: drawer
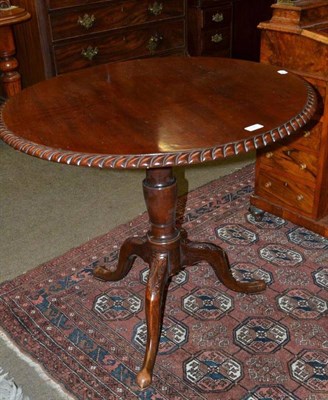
{"x": 120, "y": 45}
{"x": 215, "y": 40}
{"x": 289, "y": 159}
{"x": 88, "y": 20}
{"x": 310, "y": 137}
{"x": 218, "y": 17}
{"x": 295, "y": 195}
{"x": 60, "y": 4}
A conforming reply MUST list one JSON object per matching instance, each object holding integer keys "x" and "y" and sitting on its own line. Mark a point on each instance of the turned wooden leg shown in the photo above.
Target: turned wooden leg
{"x": 11, "y": 79}
{"x": 193, "y": 252}
{"x": 130, "y": 249}
{"x": 155, "y": 300}
{"x": 9, "y": 76}
{"x": 161, "y": 250}
{"x": 160, "y": 194}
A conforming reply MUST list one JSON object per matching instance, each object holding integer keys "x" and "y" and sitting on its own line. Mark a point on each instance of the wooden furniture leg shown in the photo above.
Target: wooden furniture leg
{"x": 10, "y": 77}
{"x": 167, "y": 253}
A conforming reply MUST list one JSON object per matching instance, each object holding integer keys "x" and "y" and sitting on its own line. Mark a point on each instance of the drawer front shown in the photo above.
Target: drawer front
{"x": 121, "y": 45}
{"x": 215, "y": 41}
{"x": 85, "y": 20}
{"x": 289, "y": 159}
{"x": 309, "y": 139}
{"x": 60, "y": 4}
{"x": 216, "y": 18}
{"x": 288, "y": 193}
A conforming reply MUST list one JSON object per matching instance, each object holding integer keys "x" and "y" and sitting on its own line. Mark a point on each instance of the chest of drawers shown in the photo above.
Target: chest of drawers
{"x": 210, "y": 27}
{"x": 292, "y": 177}
{"x": 66, "y": 35}
{"x": 226, "y": 27}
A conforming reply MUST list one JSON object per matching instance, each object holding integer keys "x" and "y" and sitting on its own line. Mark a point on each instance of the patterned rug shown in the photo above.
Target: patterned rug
{"x": 216, "y": 344}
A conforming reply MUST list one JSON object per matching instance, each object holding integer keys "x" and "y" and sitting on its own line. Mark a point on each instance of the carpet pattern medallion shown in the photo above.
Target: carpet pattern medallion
{"x": 90, "y": 336}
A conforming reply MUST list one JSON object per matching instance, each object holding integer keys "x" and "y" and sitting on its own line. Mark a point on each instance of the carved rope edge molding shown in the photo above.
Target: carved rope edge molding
{"x": 161, "y": 160}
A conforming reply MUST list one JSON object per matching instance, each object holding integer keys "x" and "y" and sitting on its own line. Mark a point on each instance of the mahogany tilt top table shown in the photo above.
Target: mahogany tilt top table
{"x": 156, "y": 114}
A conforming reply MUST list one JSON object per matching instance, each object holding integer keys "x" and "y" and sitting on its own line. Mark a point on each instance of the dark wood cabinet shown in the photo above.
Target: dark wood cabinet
{"x": 209, "y": 28}
{"x": 226, "y": 27}
{"x": 246, "y": 37}
{"x": 66, "y": 35}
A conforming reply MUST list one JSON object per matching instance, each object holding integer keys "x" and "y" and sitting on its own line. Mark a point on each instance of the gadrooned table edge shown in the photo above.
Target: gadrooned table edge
{"x": 159, "y": 160}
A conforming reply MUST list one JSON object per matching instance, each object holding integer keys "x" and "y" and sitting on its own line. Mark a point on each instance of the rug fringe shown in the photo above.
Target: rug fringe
{"x": 42, "y": 374}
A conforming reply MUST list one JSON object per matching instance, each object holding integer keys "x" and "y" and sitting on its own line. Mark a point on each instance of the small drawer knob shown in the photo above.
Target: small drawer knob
{"x": 269, "y": 154}
{"x": 303, "y": 166}
{"x": 156, "y": 8}
{"x": 307, "y": 133}
{"x": 86, "y": 21}
{"x": 154, "y": 42}
{"x": 300, "y": 197}
{"x": 268, "y": 184}
{"x": 217, "y": 38}
{"x": 89, "y": 53}
{"x": 218, "y": 17}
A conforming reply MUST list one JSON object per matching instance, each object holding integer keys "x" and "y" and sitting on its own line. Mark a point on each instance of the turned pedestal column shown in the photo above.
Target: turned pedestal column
{"x": 10, "y": 77}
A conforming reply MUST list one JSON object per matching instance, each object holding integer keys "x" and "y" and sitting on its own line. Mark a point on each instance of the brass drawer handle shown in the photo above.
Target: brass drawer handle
{"x": 90, "y": 52}
{"x": 154, "y": 42}
{"x": 156, "y": 8}
{"x": 268, "y": 184}
{"x": 307, "y": 133}
{"x": 300, "y": 197}
{"x": 217, "y": 38}
{"x": 86, "y": 21}
{"x": 218, "y": 17}
{"x": 269, "y": 154}
{"x": 303, "y": 166}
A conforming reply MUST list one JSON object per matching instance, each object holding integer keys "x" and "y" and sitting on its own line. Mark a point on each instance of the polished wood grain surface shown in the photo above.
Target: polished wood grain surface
{"x": 127, "y": 14}
{"x": 10, "y": 78}
{"x": 66, "y": 35}
{"x": 118, "y": 45}
{"x": 157, "y": 112}
{"x": 296, "y": 38}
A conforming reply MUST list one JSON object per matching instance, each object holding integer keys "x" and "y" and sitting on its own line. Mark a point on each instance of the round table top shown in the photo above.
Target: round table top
{"x": 157, "y": 112}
